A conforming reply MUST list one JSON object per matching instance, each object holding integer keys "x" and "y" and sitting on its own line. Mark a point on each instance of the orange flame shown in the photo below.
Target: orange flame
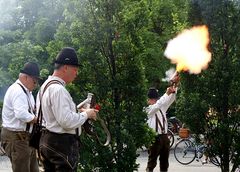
{"x": 189, "y": 50}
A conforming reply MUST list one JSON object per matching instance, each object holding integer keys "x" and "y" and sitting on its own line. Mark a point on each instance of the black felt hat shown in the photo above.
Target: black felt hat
{"x": 67, "y": 56}
{"x": 32, "y": 69}
{"x": 153, "y": 93}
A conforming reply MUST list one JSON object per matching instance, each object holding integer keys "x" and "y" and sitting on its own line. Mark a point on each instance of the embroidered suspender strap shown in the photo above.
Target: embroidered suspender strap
{"x": 162, "y": 126}
{"x": 29, "y": 105}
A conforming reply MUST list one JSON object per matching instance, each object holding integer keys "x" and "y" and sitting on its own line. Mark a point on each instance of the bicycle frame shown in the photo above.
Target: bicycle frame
{"x": 187, "y": 150}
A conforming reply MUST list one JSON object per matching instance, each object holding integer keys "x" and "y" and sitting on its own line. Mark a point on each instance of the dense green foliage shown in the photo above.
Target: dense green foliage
{"x": 209, "y": 102}
{"x": 120, "y": 44}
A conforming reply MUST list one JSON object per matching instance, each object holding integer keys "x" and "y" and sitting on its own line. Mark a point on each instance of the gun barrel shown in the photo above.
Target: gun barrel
{"x": 172, "y": 82}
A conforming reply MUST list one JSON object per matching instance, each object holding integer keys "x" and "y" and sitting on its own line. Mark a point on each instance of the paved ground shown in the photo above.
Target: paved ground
{"x": 174, "y": 166}
{"x": 5, "y": 165}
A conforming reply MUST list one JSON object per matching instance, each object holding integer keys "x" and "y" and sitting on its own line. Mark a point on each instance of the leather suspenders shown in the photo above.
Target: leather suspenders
{"x": 30, "y": 108}
{"x": 158, "y": 122}
{"x": 40, "y": 114}
{"x": 40, "y": 99}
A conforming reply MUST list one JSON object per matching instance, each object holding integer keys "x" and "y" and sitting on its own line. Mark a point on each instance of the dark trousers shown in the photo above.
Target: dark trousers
{"x": 59, "y": 152}
{"x": 22, "y": 156}
{"x": 159, "y": 148}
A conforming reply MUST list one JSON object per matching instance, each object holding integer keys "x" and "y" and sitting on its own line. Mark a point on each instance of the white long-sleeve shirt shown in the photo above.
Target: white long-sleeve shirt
{"x": 58, "y": 108}
{"x": 162, "y": 104}
{"x": 15, "y": 115}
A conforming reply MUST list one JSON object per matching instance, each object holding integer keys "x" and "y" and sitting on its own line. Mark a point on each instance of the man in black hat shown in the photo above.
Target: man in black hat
{"x": 157, "y": 120}
{"x": 18, "y": 115}
{"x": 59, "y": 144}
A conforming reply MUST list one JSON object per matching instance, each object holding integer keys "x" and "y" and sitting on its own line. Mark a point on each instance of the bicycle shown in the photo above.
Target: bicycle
{"x": 187, "y": 150}
{"x": 170, "y": 137}
{"x": 174, "y": 124}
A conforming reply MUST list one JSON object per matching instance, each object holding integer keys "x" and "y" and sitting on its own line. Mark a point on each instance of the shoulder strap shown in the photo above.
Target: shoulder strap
{"x": 23, "y": 88}
{"x": 162, "y": 126}
{"x": 28, "y": 99}
{"x": 39, "y": 119}
{"x": 29, "y": 105}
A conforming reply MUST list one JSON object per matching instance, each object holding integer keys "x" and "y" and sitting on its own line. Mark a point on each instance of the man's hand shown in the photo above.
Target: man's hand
{"x": 34, "y": 120}
{"x": 171, "y": 90}
{"x": 91, "y": 113}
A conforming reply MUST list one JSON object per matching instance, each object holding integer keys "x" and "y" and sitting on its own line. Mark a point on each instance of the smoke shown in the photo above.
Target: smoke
{"x": 169, "y": 73}
{"x": 7, "y": 7}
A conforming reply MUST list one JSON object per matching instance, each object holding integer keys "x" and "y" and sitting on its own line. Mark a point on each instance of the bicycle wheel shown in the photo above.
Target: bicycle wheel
{"x": 185, "y": 152}
{"x": 171, "y": 126}
{"x": 170, "y": 137}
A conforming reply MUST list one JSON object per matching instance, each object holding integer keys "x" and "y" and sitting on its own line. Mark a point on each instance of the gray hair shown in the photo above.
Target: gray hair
{"x": 57, "y": 66}
{"x": 22, "y": 75}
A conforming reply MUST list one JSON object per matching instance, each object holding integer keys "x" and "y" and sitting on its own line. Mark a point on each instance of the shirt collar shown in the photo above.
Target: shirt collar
{"x": 19, "y": 82}
{"x": 57, "y": 78}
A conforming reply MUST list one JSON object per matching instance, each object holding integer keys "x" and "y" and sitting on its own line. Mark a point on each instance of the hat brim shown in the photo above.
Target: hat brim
{"x": 70, "y": 64}
{"x": 35, "y": 76}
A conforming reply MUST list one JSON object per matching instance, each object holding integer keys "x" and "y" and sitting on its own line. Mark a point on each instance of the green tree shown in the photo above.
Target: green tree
{"x": 112, "y": 69}
{"x": 209, "y": 102}
{"x": 31, "y": 24}
{"x": 120, "y": 46}
{"x": 165, "y": 19}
